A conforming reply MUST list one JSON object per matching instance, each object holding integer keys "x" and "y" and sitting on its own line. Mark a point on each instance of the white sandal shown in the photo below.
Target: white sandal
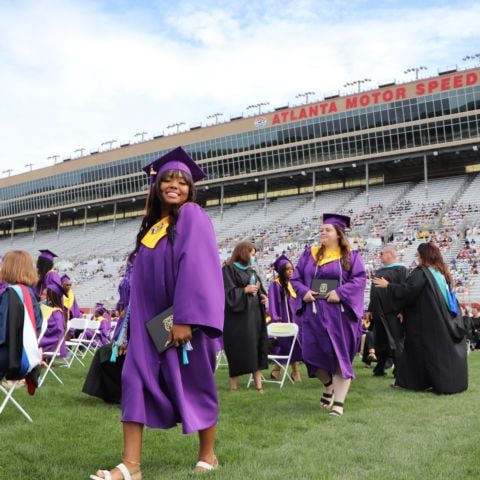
{"x": 205, "y": 467}
{"x": 108, "y": 476}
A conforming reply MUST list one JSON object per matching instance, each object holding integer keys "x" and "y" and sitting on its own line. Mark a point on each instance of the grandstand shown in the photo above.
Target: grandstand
{"x": 401, "y": 160}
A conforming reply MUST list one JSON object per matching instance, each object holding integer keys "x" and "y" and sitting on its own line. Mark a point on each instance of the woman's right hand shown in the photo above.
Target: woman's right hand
{"x": 253, "y": 289}
{"x": 309, "y": 297}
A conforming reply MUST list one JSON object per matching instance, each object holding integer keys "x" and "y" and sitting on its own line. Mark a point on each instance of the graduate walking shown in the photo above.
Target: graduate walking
{"x": 331, "y": 318}
{"x": 176, "y": 265}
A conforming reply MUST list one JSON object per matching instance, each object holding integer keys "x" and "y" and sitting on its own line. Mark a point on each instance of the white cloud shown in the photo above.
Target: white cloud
{"x": 74, "y": 74}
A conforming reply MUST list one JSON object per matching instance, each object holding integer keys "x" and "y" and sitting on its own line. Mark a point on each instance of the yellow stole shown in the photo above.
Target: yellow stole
{"x": 68, "y": 300}
{"x": 329, "y": 255}
{"x": 290, "y": 289}
{"x": 47, "y": 311}
{"x": 156, "y": 233}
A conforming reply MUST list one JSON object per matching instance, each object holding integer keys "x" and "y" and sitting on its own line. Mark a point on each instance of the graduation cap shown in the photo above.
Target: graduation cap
{"x": 54, "y": 283}
{"x": 341, "y": 221}
{"x": 65, "y": 278}
{"x": 177, "y": 159}
{"x": 48, "y": 254}
{"x": 280, "y": 262}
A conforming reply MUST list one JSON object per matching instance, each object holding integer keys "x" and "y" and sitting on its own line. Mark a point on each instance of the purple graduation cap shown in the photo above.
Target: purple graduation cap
{"x": 65, "y": 278}
{"x": 341, "y": 221}
{"x": 48, "y": 254}
{"x": 54, "y": 283}
{"x": 177, "y": 159}
{"x": 280, "y": 262}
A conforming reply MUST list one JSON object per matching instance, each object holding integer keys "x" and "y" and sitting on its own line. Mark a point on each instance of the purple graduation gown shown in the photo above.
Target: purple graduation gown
{"x": 157, "y": 389}
{"x": 277, "y": 307}
{"x": 54, "y": 332}
{"x": 331, "y": 333}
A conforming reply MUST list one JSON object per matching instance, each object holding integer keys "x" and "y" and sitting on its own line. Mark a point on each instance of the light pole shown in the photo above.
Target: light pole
{"x": 305, "y": 94}
{"x": 140, "y": 134}
{"x": 416, "y": 70}
{"x": 8, "y": 171}
{"x": 178, "y": 125}
{"x": 79, "y": 150}
{"x": 109, "y": 143}
{"x": 29, "y": 165}
{"x": 258, "y": 105}
{"x": 54, "y": 158}
{"x": 475, "y": 56}
{"x": 215, "y": 116}
{"x": 359, "y": 83}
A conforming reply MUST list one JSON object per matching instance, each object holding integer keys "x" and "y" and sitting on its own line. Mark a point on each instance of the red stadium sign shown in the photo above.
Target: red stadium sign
{"x": 384, "y": 95}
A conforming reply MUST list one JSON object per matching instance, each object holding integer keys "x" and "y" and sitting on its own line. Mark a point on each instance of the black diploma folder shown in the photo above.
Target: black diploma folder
{"x": 322, "y": 286}
{"x": 159, "y": 329}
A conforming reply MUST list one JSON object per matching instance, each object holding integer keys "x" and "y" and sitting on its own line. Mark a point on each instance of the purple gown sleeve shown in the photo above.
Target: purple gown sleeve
{"x": 299, "y": 280}
{"x": 352, "y": 291}
{"x": 75, "y": 310}
{"x": 199, "y": 296}
{"x": 275, "y": 302}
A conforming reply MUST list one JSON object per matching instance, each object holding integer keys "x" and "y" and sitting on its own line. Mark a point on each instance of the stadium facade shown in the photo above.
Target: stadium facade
{"x": 420, "y": 129}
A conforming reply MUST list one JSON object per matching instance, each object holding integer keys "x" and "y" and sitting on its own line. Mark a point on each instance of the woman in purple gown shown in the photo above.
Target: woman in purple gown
{"x": 45, "y": 270}
{"x": 282, "y": 308}
{"x": 331, "y": 325}
{"x": 176, "y": 264}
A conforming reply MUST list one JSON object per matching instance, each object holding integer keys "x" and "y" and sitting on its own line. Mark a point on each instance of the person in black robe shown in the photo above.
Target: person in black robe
{"x": 435, "y": 351}
{"x": 245, "y": 331}
{"x": 475, "y": 326}
{"x": 387, "y": 321}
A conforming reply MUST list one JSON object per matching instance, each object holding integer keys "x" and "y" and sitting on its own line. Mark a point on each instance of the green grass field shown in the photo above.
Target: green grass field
{"x": 384, "y": 434}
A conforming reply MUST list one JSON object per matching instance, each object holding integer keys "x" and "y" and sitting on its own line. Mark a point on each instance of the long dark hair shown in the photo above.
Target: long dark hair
{"x": 54, "y": 299}
{"x": 282, "y": 278}
{"x": 432, "y": 257}
{"x": 155, "y": 205}
{"x": 345, "y": 249}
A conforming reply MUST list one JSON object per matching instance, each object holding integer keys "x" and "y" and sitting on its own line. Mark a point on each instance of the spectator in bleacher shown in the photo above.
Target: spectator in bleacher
{"x": 387, "y": 321}
{"x": 435, "y": 352}
{"x": 176, "y": 265}
{"x": 45, "y": 270}
{"x": 476, "y": 326}
{"x": 19, "y": 312}
{"x": 282, "y": 308}
{"x": 331, "y": 325}
{"x": 72, "y": 310}
{"x": 245, "y": 332}
{"x": 56, "y": 321}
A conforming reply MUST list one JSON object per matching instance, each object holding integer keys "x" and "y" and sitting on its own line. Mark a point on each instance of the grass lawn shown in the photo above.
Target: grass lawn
{"x": 384, "y": 434}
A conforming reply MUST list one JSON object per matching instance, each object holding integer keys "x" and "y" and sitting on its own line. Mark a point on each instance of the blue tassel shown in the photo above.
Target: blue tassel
{"x": 184, "y": 355}
{"x": 113, "y": 357}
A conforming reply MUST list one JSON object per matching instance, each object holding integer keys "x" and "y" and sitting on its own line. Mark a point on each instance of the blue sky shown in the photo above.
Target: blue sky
{"x": 74, "y": 74}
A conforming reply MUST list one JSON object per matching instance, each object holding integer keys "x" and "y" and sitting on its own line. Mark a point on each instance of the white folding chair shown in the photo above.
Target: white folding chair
{"x": 73, "y": 345}
{"x": 9, "y": 397}
{"x": 281, "y": 330}
{"x": 221, "y": 360}
{"x": 87, "y": 345}
{"x": 49, "y": 365}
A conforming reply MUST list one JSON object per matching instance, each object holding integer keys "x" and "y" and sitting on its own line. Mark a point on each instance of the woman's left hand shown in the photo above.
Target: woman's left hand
{"x": 380, "y": 282}
{"x": 263, "y": 299}
{"x": 180, "y": 334}
{"x": 332, "y": 297}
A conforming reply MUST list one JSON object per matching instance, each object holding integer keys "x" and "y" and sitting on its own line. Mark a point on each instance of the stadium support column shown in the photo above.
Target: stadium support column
{"x": 85, "y": 221}
{"x": 265, "y": 194}
{"x": 114, "y": 216}
{"x": 425, "y": 175}
{"x": 314, "y": 193}
{"x": 34, "y": 226}
{"x": 367, "y": 181}
{"x": 222, "y": 197}
{"x": 11, "y": 232}
{"x": 59, "y": 218}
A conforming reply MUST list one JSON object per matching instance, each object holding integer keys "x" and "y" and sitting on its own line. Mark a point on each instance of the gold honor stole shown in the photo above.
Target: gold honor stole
{"x": 329, "y": 255}
{"x": 68, "y": 300}
{"x": 47, "y": 311}
{"x": 156, "y": 233}
{"x": 291, "y": 291}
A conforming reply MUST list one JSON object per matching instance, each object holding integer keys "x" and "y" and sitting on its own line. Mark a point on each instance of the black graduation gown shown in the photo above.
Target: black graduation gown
{"x": 245, "y": 332}
{"x": 388, "y": 330}
{"x": 435, "y": 351}
{"x": 104, "y": 378}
